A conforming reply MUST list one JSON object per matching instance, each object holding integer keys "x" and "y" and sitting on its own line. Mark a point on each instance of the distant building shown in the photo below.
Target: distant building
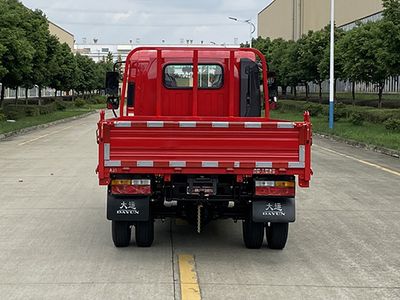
{"x": 99, "y": 51}
{"x": 63, "y": 35}
{"x": 290, "y": 19}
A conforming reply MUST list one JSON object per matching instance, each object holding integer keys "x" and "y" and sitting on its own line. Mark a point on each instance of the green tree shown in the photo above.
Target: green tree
{"x": 85, "y": 79}
{"x": 102, "y": 67}
{"x": 291, "y": 68}
{"x": 367, "y": 55}
{"x": 262, "y": 44}
{"x": 282, "y": 60}
{"x": 391, "y": 11}
{"x": 19, "y": 52}
{"x": 3, "y": 70}
{"x": 53, "y": 66}
{"x": 391, "y": 16}
{"x": 324, "y": 65}
{"x": 62, "y": 66}
{"x": 67, "y": 67}
{"x": 38, "y": 34}
{"x": 311, "y": 52}
{"x": 276, "y": 63}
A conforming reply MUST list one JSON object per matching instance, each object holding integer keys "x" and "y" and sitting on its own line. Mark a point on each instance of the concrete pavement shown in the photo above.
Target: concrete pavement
{"x": 55, "y": 241}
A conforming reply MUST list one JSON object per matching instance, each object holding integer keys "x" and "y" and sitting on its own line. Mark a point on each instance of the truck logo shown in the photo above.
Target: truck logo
{"x": 274, "y": 210}
{"x": 128, "y": 208}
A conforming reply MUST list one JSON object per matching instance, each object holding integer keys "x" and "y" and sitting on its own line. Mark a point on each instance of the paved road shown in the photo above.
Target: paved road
{"x": 55, "y": 241}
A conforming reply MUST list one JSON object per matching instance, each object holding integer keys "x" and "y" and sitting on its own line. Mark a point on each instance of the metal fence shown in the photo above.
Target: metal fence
{"x": 32, "y": 93}
{"x": 392, "y": 86}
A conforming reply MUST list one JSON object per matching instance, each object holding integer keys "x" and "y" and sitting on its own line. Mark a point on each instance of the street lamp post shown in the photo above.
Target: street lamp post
{"x": 332, "y": 67}
{"x": 252, "y": 27}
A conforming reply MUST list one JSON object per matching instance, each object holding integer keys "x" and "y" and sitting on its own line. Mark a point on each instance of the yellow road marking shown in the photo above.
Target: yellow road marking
{"x": 42, "y": 136}
{"x": 190, "y": 289}
{"x": 360, "y": 161}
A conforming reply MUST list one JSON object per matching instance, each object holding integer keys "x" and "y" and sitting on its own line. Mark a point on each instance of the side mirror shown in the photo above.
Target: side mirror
{"x": 112, "y": 83}
{"x": 112, "y": 102}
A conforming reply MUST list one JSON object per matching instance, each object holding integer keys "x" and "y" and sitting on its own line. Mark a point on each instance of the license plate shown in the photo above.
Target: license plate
{"x": 196, "y": 190}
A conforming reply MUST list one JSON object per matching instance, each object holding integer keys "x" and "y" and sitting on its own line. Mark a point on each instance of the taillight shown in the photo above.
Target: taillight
{"x": 274, "y": 188}
{"x": 131, "y": 186}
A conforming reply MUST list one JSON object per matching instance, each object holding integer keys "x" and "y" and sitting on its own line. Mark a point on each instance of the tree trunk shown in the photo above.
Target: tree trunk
{"x": 307, "y": 91}
{"x": 40, "y": 92}
{"x": 16, "y": 95}
{"x": 284, "y": 91}
{"x": 353, "y": 92}
{"x": 26, "y": 95}
{"x": 3, "y": 90}
{"x": 295, "y": 91}
{"x": 320, "y": 91}
{"x": 381, "y": 88}
{"x": 55, "y": 93}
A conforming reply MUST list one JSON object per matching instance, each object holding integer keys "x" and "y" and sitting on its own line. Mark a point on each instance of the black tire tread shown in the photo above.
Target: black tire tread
{"x": 253, "y": 234}
{"x": 144, "y": 232}
{"x": 277, "y": 234}
{"x": 121, "y": 233}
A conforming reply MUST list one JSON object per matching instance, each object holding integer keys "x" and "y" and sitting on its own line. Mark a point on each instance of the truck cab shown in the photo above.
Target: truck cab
{"x": 193, "y": 139}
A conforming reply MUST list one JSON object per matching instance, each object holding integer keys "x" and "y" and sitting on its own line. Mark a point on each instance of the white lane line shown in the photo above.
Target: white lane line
{"x": 45, "y": 135}
{"x": 360, "y": 160}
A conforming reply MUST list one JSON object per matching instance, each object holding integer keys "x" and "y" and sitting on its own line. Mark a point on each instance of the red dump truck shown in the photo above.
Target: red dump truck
{"x": 194, "y": 140}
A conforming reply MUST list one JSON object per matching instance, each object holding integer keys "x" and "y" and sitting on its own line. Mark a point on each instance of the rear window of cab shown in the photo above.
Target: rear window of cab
{"x": 180, "y": 76}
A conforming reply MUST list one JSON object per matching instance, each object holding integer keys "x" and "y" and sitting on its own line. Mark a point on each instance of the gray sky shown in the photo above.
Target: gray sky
{"x": 119, "y": 21}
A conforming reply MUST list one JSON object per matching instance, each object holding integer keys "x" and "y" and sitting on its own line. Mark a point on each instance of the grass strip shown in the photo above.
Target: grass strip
{"x": 26, "y": 122}
{"x": 368, "y": 133}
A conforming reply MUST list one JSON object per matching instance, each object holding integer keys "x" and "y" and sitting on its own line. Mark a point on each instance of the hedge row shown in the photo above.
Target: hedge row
{"x": 387, "y": 102}
{"x": 373, "y": 115}
{"x": 355, "y": 114}
{"x": 18, "y": 111}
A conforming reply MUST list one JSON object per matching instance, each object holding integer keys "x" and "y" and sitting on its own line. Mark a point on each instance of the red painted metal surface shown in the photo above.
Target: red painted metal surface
{"x": 197, "y": 131}
{"x": 145, "y": 66}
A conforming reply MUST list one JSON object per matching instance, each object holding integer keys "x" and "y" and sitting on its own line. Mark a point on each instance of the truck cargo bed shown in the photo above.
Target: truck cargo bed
{"x": 171, "y": 146}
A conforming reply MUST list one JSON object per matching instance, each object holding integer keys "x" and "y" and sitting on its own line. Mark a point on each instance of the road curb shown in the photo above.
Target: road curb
{"x": 382, "y": 150}
{"x": 4, "y": 136}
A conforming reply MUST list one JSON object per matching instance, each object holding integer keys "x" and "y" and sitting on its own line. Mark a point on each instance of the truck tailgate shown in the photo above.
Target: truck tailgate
{"x": 204, "y": 147}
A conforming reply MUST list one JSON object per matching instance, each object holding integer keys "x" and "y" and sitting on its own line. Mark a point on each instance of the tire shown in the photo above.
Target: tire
{"x": 121, "y": 233}
{"x": 253, "y": 234}
{"x": 277, "y": 234}
{"x": 144, "y": 233}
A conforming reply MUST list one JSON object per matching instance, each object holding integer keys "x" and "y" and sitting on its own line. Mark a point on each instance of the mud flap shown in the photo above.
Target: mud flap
{"x": 127, "y": 209}
{"x": 274, "y": 210}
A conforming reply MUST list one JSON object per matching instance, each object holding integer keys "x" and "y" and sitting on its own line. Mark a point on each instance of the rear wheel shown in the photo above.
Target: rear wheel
{"x": 253, "y": 234}
{"x": 144, "y": 233}
{"x": 121, "y": 233}
{"x": 277, "y": 234}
